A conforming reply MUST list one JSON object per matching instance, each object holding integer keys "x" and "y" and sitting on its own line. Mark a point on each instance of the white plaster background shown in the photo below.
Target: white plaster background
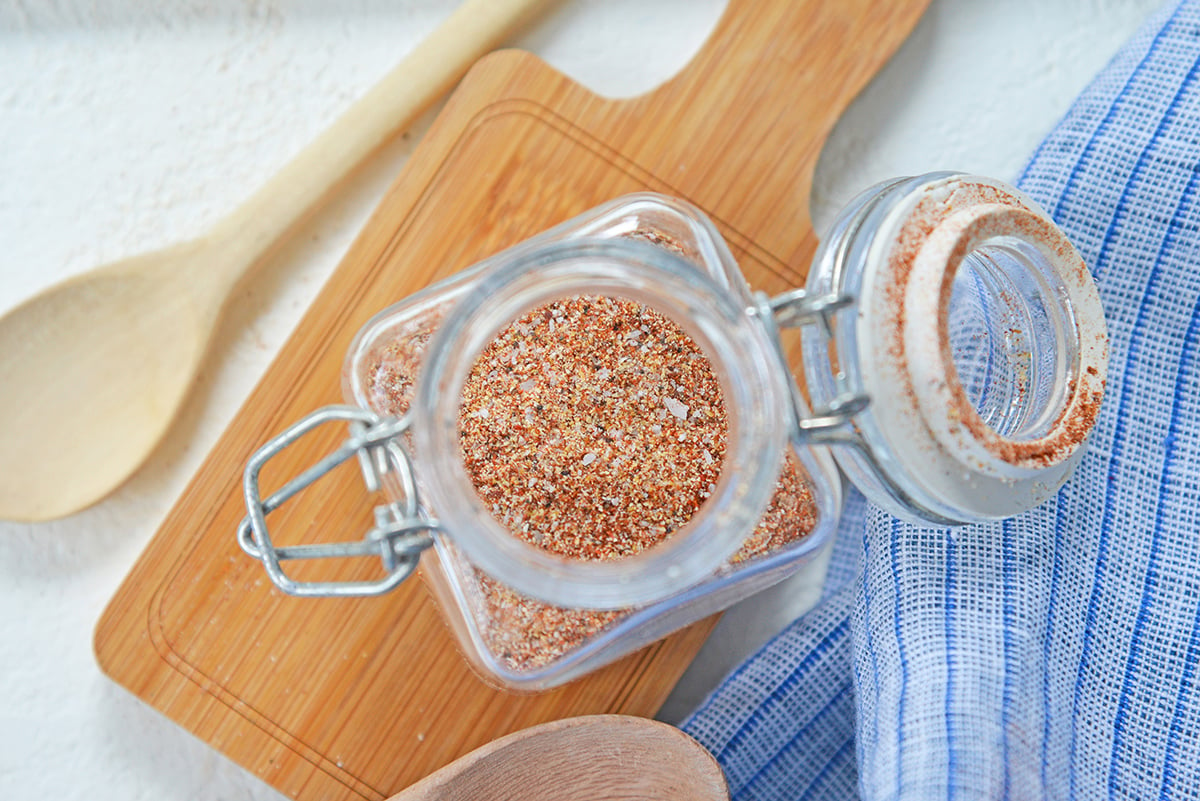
{"x": 125, "y": 126}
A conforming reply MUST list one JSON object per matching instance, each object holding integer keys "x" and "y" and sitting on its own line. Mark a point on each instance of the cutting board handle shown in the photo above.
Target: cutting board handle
{"x": 817, "y": 54}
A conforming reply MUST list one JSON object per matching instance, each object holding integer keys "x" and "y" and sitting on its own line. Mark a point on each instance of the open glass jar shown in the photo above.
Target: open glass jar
{"x": 599, "y": 435}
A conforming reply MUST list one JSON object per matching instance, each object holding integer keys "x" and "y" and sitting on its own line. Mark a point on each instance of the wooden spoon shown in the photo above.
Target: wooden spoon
{"x": 93, "y": 370}
{"x": 592, "y": 758}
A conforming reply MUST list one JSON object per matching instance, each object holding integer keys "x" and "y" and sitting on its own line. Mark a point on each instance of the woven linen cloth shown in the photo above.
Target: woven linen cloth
{"x": 1057, "y": 654}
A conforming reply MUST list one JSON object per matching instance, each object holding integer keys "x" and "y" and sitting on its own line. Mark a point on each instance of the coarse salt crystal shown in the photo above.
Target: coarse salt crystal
{"x": 676, "y": 408}
{"x": 527, "y": 385}
{"x": 588, "y": 458}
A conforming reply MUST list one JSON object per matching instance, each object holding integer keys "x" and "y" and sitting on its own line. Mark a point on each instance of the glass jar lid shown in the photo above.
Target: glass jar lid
{"x": 978, "y": 336}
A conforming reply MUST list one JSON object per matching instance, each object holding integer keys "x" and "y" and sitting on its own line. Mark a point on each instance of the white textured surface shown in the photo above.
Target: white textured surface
{"x": 125, "y": 126}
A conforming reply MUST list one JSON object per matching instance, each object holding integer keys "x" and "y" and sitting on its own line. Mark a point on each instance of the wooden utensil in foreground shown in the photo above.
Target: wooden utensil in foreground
{"x": 95, "y": 368}
{"x": 590, "y": 758}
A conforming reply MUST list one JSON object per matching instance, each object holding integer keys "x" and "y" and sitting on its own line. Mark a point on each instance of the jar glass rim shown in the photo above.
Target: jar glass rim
{"x": 735, "y": 347}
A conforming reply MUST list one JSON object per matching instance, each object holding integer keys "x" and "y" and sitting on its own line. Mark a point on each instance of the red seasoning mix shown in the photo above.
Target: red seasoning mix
{"x": 592, "y": 427}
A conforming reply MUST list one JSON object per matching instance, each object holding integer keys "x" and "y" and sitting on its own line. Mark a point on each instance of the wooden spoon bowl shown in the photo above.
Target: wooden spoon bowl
{"x": 590, "y": 758}
{"x": 94, "y": 369}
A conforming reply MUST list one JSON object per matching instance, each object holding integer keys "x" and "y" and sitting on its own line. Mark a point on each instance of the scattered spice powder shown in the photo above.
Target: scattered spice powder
{"x": 593, "y": 427}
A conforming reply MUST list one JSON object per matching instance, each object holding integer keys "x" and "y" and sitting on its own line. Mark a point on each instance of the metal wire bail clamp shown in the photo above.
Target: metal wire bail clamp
{"x": 832, "y": 424}
{"x": 402, "y": 529}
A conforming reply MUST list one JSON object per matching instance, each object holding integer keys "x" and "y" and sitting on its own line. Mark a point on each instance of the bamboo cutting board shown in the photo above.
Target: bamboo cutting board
{"x": 348, "y": 699}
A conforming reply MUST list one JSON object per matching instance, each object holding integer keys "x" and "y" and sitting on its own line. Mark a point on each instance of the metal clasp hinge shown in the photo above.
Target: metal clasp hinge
{"x": 402, "y": 529}
{"x": 830, "y": 424}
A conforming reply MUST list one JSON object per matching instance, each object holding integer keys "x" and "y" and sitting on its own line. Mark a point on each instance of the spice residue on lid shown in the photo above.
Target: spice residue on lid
{"x": 976, "y": 202}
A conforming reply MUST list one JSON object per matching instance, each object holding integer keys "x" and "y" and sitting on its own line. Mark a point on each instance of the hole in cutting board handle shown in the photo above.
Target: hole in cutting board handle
{"x": 638, "y": 56}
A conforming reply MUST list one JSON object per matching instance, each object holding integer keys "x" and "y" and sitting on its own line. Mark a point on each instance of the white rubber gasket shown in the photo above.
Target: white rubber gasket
{"x": 945, "y": 448}
{"x": 948, "y": 412}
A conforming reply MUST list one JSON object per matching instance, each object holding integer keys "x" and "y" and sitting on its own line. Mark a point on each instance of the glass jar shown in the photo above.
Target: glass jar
{"x": 954, "y": 356}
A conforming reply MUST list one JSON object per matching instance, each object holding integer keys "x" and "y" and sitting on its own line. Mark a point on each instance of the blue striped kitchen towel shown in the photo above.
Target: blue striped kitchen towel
{"x": 1055, "y": 655}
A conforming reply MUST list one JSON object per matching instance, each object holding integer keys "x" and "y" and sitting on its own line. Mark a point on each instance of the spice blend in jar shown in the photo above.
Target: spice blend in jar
{"x": 525, "y": 633}
{"x": 592, "y": 427}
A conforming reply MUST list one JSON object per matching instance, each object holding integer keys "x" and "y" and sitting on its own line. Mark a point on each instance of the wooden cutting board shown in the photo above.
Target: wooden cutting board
{"x": 345, "y": 699}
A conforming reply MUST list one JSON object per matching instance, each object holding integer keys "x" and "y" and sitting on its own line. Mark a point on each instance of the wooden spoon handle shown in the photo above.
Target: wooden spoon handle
{"x": 423, "y": 76}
